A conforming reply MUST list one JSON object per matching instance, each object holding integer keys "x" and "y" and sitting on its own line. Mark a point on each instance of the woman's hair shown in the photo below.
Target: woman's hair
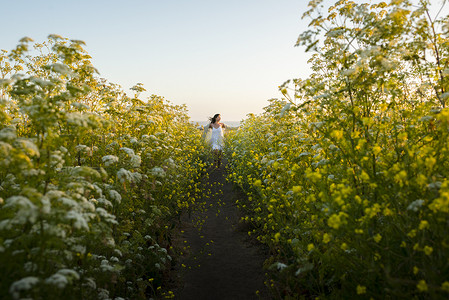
{"x": 214, "y": 118}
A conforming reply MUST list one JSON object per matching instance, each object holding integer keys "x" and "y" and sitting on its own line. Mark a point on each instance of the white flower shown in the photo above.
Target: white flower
{"x": 106, "y": 216}
{"x": 135, "y": 161}
{"x": 127, "y": 150}
{"x": 7, "y": 133}
{"x": 58, "y": 280}
{"x": 426, "y": 118}
{"x": 79, "y": 248}
{"x": 32, "y": 172}
{"x": 98, "y": 190}
{"x": 61, "y": 69}
{"x": 56, "y": 160}
{"x": 158, "y": 172}
{"x": 90, "y": 282}
{"x": 80, "y": 147}
{"x": 23, "y": 284}
{"x": 137, "y": 177}
{"x": 61, "y": 278}
{"x": 348, "y": 72}
{"x": 105, "y": 202}
{"x": 124, "y": 175}
{"x": 30, "y": 266}
{"x": 285, "y": 109}
{"x": 28, "y": 146}
{"x": 26, "y": 210}
{"x": 5, "y": 82}
{"x": 84, "y": 171}
{"x": 46, "y": 205}
{"x": 109, "y": 160}
{"x": 79, "y": 221}
{"x": 80, "y": 106}
{"x": 112, "y": 145}
{"x": 415, "y": 205}
{"x": 103, "y": 294}
{"x": 5, "y": 150}
{"x": 41, "y": 82}
{"x": 105, "y": 266}
{"x": 170, "y": 162}
{"x": 77, "y": 119}
{"x": 114, "y": 195}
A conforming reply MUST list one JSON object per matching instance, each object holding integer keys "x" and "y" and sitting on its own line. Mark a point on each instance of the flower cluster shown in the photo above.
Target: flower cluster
{"x": 348, "y": 180}
{"x": 90, "y": 189}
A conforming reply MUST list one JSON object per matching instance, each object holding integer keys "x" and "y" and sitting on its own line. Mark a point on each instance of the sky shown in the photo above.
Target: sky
{"x": 226, "y": 57}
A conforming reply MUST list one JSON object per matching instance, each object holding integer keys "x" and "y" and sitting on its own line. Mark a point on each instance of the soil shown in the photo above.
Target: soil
{"x": 220, "y": 260}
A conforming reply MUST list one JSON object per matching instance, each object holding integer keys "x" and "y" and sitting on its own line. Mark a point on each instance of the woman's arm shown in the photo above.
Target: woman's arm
{"x": 206, "y": 129}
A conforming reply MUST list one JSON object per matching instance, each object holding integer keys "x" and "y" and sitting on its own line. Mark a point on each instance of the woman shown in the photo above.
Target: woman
{"x": 216, "y": 140}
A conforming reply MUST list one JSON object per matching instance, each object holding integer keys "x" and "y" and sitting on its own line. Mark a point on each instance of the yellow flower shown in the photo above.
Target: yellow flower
{"x": 412, "y": 233}
{"x": 401, "y": 177}
{"x": 361, "y": 289}
{"x": 367, "y": 121}
{"x": 402, "y": 136}
{"x": 277, "y": 236}
{"x": 310, "y": 247}
{"x": 441, "y": 203}
{"x": 430, "y": 162}
{"x": 422, "y": 286}
{"x": 428, "y": 250}
{"x": 326, "y": 238}
{"x": 423, "y": 225}
{"x": 364, "y": 176}
{"x": 296, "y": 189}
{"x": 338, "y": 134}
{"x": 372, "y": 211}
{"x": 334, "y": 221}
{"x": 344, "y": 246}
{"x": 421, "y": 180}
{"x": 377, "y": 238}
{"x": 258, "y": 183}
{"x": 445, "y": 286}
{"x": 415, "y": 270}
{"x": 387, "y": 211}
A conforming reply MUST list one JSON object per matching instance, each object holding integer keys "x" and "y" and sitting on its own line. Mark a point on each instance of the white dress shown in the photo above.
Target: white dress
{"x": 216, "y": 140}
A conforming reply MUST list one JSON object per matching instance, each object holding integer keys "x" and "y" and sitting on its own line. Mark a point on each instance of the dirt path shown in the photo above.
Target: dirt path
{"x": 222, "y": 262}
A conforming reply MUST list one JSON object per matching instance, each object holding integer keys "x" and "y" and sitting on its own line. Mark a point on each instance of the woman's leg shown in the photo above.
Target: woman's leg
{"x": 220, "y": 153}
{"x": 216, "y": 158}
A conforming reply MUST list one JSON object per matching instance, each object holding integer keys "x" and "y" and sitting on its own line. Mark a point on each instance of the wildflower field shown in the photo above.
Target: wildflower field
{"x": 92, "y": 181}
{"x": 347, "y": 175}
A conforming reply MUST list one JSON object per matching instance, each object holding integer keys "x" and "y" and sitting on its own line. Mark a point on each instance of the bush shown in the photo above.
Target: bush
{"x": 91, "y": 181}
{"x": 348, "y": 178}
